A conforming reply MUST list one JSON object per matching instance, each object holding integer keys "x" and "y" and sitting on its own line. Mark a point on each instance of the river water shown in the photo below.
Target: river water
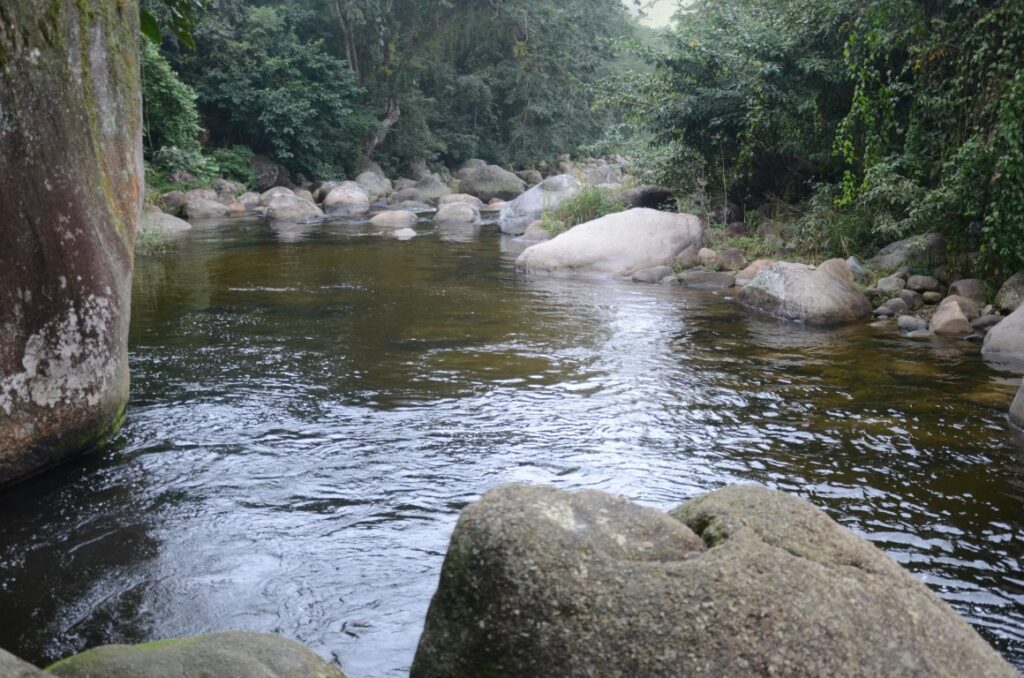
{"x": 312, "y": 406}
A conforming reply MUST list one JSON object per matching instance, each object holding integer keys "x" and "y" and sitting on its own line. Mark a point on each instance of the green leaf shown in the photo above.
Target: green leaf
{"x": 150, "y": 27}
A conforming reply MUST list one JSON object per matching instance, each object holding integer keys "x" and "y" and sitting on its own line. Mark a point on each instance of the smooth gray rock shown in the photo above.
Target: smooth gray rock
{"x": 891, "y": 284}
{"x": 920, "y": 334}
{"x": 911, "y": 323}
{"x": 823, "y": 296}
{"x": 705, "y": 280}
{"x": 912, "y": 299}
{"x": 457, "y": 213}
{"x": 932, "y": 298}
{"x": 970, "y": 288}
{"x": 162, "y": 224}
{"x": 860, "y": 274}
{"x": 652, "y": 276}
{"x": 986, "y": 322}
{"x": 740, "y": 582}
{"x": 12, "y": 667}
{"x": 292, "y": 209}
{"x": 530, "y": 206}
{"x": 1007, "y": 338}
{"x": 490, "y": 182}
{"x": 462, "y": 197}
{"x": 376, "y": 185}
{"x": 950, "y": 320}
{"x": 891, "y": 308}
{"x": 277, "y": 191}
{"x": 395, "y": 219}
{"x": 347, "y": 199}
{"x": 744, "y": 277}
{"x": 1011, "y": 294}
{"x": 732, "y": 260}
{"x": 204, "y": 208}
{"x": 1017, "y": 409}
{"x": 619, "y": 245}
{"x": 923, "y": 283}
{"x": 923, "y": 251}
{"x": 535, "y": 232}
{"x": 219, "y": 655}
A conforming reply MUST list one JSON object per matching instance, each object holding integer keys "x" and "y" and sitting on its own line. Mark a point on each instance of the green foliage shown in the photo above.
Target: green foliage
{"x": 180, "y": 16}
{"x": 169, "y": 105}
{"x": 263, "y": 85}
{"x": 588, "y": 204}
{"x": 171, "y": 160}
{"x": 235, "y": 163}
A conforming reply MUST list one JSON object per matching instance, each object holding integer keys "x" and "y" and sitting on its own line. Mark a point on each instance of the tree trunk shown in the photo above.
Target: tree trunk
{"x": 71, "y": 186}
{"x": 390, "y": 120}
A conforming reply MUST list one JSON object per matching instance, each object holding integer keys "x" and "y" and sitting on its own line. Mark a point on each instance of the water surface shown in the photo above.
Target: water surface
{"x": 312, "y": 406}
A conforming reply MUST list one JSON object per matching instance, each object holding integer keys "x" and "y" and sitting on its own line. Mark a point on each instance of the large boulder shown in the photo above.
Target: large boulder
{"x": 12, "y": 667}
{"x": 491, "y": 182}
{"x": 741, "y": 582}
{"x": 268, "y": 173}
{"x": 1011, "y": 294}
{"x": 530, "y": 206}
{"x": 236, "y": 654}
{"x": 432, "y": 189}
{"x": 1017, "y": 409}
{"x": 921, "y": 251}
{"x": 293, "y": 210}
{"x": 1007, "y": 338}
{"x": 619, "y": 244}
{"x": 950, "y": 319}
{"x": 821, "y": 296}
{"x": 457, "y": 213}
{"x": 71, "y": 185}
{"x": 462, "y": 197}
{"x": 271, "y": 194}
{"x": 405, "y": 195}
{"x": 469, "y": 166}
{"x": 157, "y": 223}
{"x": 347, "y": 199}
{"x": 376, "y": 185}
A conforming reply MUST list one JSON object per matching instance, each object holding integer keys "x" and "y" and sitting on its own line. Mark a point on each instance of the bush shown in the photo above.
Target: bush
{"x": 235, "y": 163}
{"x": 169, "y": 105}
{"x": 589, "y": 204}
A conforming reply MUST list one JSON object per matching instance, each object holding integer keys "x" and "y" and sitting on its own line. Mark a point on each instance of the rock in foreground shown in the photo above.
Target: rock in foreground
{"x": 740, "y": 582}
{"x": 822, "y": 297}
{"x": 619, "y": 244}
{"x": 233, "y": 654}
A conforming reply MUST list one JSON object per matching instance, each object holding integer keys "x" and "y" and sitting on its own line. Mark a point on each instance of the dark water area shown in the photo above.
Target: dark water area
{"x": 313, "y": 406}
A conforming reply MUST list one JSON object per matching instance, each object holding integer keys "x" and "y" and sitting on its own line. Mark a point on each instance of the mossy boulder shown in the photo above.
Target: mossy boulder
{"x": 822, "y": 296}
{"x": 71, "y": 186}
{"x": 740, "y": 582}
{"x": 219, "y": 655}
{"x": 490, "y": 182}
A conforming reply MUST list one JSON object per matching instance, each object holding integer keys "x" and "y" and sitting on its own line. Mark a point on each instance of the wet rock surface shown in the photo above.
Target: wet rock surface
{"x": 740, "y": 582}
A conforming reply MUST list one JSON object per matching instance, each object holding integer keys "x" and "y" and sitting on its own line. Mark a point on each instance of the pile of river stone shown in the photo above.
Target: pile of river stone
{"x": 743, "y": 581}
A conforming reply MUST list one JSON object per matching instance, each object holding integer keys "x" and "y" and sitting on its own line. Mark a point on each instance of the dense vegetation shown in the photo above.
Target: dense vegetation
{"x": 880, "y": 119}
{"x": 322, "y": 85}
{"x": 858, "y": 122}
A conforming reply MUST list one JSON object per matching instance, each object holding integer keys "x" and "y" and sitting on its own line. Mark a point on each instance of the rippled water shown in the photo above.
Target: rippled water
{"x": 312, "y": 407}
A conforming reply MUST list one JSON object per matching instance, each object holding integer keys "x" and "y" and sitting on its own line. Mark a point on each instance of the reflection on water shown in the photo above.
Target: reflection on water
{"x": 313, "y": 406}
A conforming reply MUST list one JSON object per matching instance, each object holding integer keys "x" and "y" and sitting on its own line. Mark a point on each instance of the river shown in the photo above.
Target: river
{"x": 312, "y": 406}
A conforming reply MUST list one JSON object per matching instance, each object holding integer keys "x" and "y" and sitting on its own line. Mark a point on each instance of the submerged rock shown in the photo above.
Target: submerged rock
{"x": 911, "y": 323}
{"x": 236, "y": 654}
{"x": 740, "y": 582}
{"x": 530, "y": 206}
{"x": 652, "y": 276}
{"x": 823, "y": 296}
{"x": 395, "y": 219}
{"x": 1007, "y": 338}
{"x": 619, "y": 244}
{"x": 536, "y": 232}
